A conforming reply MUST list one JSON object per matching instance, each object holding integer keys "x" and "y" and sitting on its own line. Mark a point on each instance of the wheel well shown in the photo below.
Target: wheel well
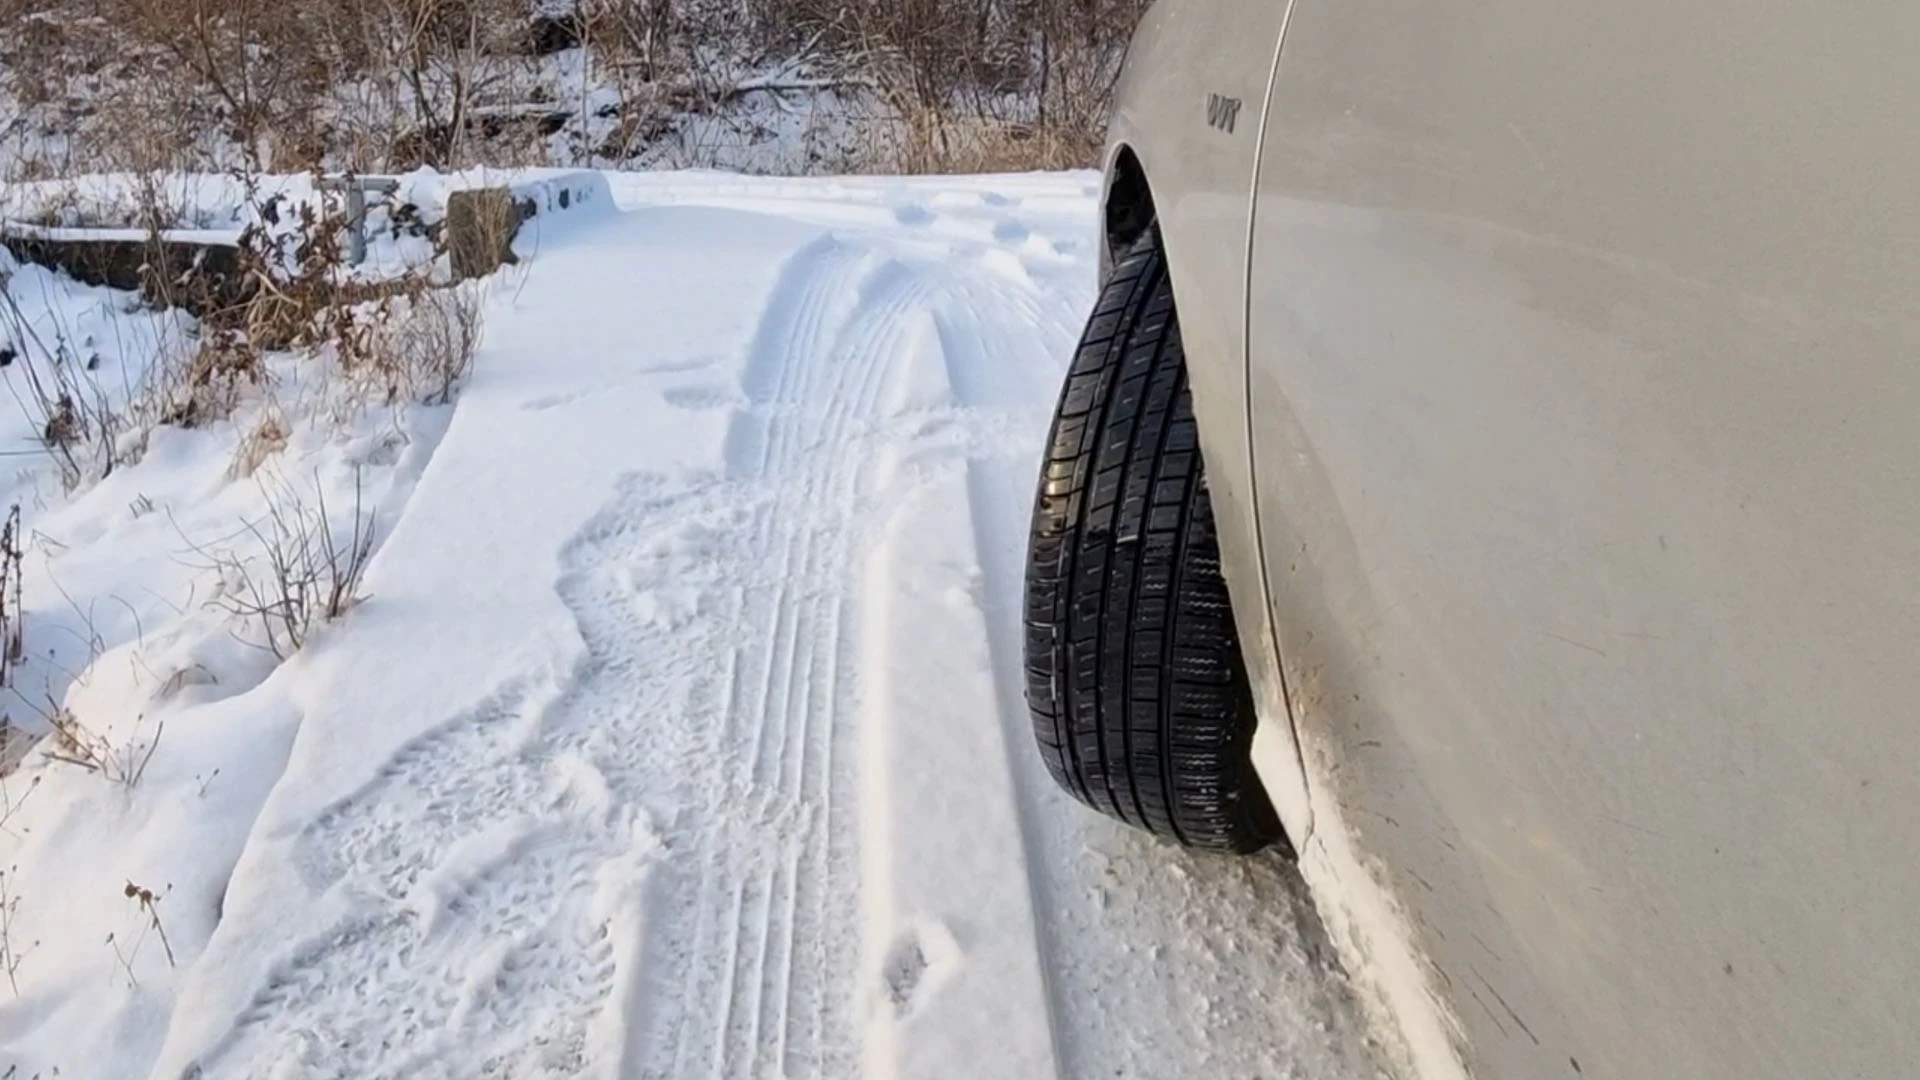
{"x": 1129, "y": 203}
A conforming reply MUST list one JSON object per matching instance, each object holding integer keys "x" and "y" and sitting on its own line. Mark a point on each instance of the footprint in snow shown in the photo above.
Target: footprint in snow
{"x": 1011, "y": 231}
{"x": 698, "y": 398}
{"x": 922, "y": 957}
{"x": 913, "y": 214}
{"x": 554, "y": 401}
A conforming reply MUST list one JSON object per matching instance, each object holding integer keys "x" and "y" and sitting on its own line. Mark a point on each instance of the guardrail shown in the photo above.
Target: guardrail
{"x": 200, "y": 270}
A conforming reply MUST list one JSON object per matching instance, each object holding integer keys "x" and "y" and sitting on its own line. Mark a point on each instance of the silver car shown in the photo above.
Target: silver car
{"x": 1553, "y": 580}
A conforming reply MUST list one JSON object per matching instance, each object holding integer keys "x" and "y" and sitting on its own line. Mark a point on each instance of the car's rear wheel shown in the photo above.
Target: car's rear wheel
{"x": 1135, "y": 680}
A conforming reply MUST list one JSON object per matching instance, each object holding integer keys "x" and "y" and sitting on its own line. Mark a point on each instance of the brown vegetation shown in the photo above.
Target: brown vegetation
{"x": 287, "y": 85}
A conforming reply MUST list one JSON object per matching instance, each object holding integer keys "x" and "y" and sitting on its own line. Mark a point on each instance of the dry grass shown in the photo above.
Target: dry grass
{"x": 931, "y": 143}
{"x": 268, "y": 436}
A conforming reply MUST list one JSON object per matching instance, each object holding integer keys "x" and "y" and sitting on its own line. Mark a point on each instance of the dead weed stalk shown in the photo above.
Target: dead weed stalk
{"x": 73, "y": 743}
{"x": 148, "y": 902}
{"x": 11, "y": 952}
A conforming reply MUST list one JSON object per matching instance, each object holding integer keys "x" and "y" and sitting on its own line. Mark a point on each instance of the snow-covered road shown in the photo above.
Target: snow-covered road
{"x": 682, "y": 733}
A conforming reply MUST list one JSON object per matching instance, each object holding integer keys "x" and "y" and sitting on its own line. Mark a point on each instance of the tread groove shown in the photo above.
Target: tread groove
{"x": 1171, "y": 604}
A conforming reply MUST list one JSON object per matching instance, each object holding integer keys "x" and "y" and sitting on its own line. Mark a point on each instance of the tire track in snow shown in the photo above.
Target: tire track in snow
{"x": 811, "y": 692}
{"x": 954, "y": 982}
{"x": 751, "y": 975}
{"x": 436, "y": 881}
{"x": 783, "y": 384}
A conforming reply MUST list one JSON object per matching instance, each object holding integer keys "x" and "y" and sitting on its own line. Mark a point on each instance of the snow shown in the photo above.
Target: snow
{"x": 679, "y": 733}
{"x": 187, "y": 721}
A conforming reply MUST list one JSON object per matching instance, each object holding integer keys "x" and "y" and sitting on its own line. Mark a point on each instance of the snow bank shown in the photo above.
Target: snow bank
{"x": 172, "y": 717}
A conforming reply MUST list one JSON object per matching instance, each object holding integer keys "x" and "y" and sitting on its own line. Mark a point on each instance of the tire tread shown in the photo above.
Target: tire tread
{"x": 1135, "y": 681}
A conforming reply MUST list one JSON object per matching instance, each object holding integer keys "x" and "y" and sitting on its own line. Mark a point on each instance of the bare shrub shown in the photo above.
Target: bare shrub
{"x": 1001, "y": 84}
{"x": 226, "y": 52}
{"x": 295, "y": 289}
{"x": 396, "y": 339}
{"x": 443, "y": 54}
{"x": 303, "y": 571}
{"x": 407, "y": 341}
{"x": 208, "y": 386}
{"x": 431, "y": 343}
{"x": 291, "y": 84}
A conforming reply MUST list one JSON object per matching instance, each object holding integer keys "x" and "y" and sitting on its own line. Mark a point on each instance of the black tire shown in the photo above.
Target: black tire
{"x": 1135, "y": 679}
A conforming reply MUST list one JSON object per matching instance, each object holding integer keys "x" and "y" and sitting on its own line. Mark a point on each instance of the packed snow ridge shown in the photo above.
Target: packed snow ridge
{"x": 679, "y": 733}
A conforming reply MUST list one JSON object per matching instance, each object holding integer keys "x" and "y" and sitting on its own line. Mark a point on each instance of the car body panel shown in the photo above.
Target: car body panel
{"x": 1584, "y": 353}
{"x": 1201, "y": 176}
